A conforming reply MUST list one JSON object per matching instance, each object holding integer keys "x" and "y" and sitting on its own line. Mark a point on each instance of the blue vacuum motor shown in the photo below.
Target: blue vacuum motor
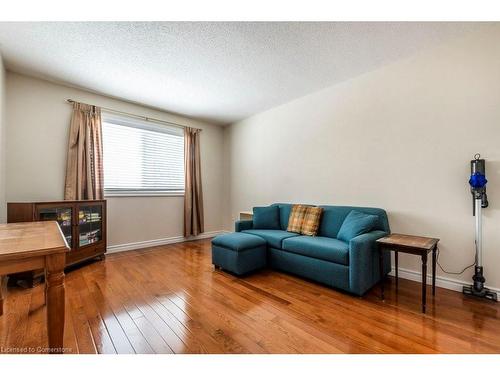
{"x": 477, "y": 181}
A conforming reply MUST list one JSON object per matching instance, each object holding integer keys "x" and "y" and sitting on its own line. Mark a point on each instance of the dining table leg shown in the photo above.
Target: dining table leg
{"x": 55, "y": 300}
{"x": 1, "y": 295}
{"x": 45, "y": 288}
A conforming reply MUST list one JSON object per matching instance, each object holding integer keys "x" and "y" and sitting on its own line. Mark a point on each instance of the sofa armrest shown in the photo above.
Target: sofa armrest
{"x": 243, "y": 225}
{"x": 364, "y": 260}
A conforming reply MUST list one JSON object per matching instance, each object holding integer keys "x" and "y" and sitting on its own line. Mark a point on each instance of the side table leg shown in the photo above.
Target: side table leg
{"x": 396, "y": 261}
{"x": 434, "y": 260}
{"x": 424, "y": 280}
{"x": 381, "y": 266}
{"x": 55, "y": 300}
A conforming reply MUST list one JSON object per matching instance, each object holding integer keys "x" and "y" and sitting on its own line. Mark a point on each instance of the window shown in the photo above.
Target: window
{"x": 141, "y": 157}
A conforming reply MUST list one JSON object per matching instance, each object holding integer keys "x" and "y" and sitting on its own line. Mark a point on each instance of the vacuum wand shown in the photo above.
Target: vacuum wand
{"x": 479, "y": 233}
{"x": 477, "y": 184}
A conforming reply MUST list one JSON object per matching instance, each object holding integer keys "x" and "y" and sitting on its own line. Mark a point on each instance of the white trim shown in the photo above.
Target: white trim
{"x": 441, "y": 281}
{"x": 161, "y": 241}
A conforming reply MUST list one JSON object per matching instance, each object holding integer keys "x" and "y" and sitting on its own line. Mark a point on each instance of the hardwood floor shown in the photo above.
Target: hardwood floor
{"x": 169, "y": 299}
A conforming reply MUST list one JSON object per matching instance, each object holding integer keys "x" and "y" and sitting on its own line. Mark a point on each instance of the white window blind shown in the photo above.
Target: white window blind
{"x": 141, "y": 157}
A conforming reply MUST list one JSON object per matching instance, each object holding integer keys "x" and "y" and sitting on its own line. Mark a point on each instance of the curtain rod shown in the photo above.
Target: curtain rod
{"x": 151, "y": 119}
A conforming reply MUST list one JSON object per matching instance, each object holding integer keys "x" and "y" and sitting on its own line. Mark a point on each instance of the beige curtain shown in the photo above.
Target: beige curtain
{"x": 84, "y": 173}
{"x": 193, "y": 196}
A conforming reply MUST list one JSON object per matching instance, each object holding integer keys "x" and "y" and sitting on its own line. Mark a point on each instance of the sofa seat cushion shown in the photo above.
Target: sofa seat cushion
{"x": 324, "y": 248}
{"x": 273, "y": 237}
{"x": 238, "y": 241}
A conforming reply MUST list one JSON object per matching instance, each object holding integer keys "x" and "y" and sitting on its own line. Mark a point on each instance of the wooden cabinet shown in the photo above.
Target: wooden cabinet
{"x": 83, "y": 224}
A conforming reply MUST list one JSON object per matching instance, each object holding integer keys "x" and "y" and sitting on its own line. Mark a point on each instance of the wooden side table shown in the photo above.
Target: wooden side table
{"x": 415, "y": 245}
{"x": 246, "y": 215}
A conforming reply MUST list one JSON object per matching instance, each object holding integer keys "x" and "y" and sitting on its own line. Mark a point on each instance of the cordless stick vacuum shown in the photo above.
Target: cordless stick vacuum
{"x": 477, "y": 183}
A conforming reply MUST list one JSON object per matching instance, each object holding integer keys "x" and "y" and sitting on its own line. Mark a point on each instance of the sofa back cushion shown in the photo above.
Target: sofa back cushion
{"x": 356, "y": 223}
{"x": 333, "y": 217}
{"x": 285, "y": 210}
{"x": 266, "y": 217}
{"x": 332, "y": 220}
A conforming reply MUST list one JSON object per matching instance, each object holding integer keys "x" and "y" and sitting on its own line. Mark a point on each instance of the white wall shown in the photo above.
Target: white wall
{"x": 37, "y": 135}
{"x": 400, "y": 138}
{"x": 3, "y": 213}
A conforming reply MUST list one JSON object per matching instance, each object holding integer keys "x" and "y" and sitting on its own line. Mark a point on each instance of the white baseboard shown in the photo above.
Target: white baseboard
{"x": 161, "y": 241}
{"x": 441, "y": 281}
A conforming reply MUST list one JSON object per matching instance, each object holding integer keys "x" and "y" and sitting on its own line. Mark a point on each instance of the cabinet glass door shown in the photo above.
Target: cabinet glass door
{"x": 63, "y": 216}
{"x": 89, "y": 224}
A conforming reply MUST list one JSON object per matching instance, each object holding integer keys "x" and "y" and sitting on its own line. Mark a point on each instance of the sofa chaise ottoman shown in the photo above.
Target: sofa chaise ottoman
{"x": 350, "y": 264}
{"x": 239, "y": 253}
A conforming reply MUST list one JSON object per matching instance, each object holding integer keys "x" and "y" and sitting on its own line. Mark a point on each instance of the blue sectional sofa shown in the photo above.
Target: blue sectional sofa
{"x": 351, "y": 266}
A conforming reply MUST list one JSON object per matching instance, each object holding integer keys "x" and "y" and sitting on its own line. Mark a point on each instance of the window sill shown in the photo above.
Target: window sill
{"x": 144, "y": 194}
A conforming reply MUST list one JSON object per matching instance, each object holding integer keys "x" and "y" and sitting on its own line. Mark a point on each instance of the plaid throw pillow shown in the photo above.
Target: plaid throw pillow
{"x": 296, "y": 218}
{"x": 310, "y": 225}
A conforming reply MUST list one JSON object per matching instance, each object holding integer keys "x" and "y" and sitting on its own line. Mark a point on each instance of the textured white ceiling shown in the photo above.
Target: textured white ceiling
{"x": 220, "y": 72}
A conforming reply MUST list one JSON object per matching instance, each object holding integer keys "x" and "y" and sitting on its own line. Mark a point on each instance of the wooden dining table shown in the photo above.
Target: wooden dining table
{"x": 34, "y": 246}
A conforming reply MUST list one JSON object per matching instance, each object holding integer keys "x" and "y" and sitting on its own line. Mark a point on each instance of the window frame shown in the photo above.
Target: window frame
{"x": 145, "y": 124}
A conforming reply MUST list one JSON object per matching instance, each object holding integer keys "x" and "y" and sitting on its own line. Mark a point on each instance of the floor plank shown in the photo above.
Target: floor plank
{"x": 169, "y": 299}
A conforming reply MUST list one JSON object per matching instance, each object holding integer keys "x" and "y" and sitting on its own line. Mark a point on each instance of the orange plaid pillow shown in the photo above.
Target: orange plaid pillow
{"x": 296, "y": 218}
{"x": 310, "y": 225}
